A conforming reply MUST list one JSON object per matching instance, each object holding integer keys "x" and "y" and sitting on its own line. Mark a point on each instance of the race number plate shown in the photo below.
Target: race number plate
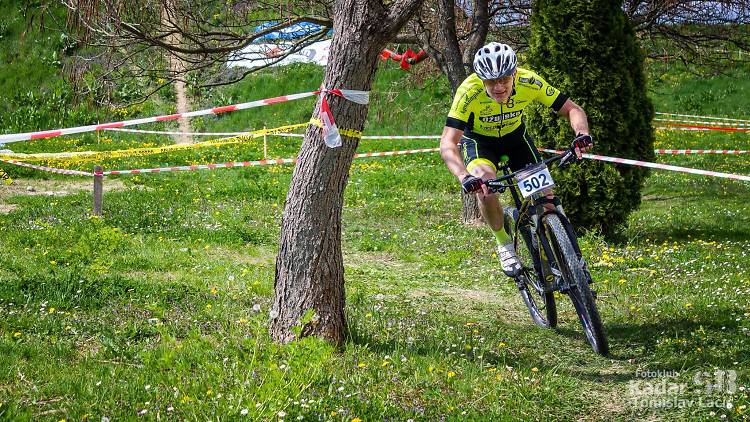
{"x": 534, "y": 180}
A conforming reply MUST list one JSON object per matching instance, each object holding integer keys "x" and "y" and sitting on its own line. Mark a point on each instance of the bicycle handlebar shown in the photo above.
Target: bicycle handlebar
{"x": 497, "y": 184}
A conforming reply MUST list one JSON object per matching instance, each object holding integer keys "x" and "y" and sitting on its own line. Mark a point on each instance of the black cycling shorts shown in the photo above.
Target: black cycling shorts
{"x": 517, "y": 146}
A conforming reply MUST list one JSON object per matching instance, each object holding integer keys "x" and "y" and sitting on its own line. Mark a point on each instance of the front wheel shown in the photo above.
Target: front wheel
{"x": 530, "y": 284}
{"x": 575, "y": 277}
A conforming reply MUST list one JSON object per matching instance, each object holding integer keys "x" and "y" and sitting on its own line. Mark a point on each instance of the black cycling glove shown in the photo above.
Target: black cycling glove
{"x": 471, "y": 184}
{"x": 582, "y": 141}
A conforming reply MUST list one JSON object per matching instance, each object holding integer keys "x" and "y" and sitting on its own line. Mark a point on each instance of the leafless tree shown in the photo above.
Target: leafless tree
{"x": 134, "y": 40}
{"x": 451, "y": 32}
{"x": 708, "y": 33}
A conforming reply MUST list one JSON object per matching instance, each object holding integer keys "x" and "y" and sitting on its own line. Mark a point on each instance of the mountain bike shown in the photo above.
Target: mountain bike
{"x": 547, "y": 247}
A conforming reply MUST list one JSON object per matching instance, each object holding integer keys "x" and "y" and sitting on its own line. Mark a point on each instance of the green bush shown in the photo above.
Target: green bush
{"x": 588, "y": 50}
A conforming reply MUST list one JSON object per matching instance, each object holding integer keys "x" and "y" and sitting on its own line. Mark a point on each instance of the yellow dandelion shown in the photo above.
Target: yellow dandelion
{"x": 451, "y": 374}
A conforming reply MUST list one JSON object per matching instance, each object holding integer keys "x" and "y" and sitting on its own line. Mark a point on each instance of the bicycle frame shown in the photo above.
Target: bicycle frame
{"x": 534, "y": 210}
{"x": 552, "y": 244}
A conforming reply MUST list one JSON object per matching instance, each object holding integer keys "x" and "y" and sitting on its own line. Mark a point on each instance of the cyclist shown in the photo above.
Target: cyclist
{"x": 486, "y": 123}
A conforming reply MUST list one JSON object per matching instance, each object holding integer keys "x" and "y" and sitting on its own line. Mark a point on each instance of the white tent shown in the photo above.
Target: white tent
{"x": 256, "y": 55}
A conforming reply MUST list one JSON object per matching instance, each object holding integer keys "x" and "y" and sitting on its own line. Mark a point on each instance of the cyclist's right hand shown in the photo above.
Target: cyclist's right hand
{"x": 581, "y": 144}
{"x": 471, "y": 184}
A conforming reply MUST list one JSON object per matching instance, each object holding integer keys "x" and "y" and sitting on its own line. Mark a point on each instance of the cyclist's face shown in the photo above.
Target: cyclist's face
{"x": 499, "y": 89}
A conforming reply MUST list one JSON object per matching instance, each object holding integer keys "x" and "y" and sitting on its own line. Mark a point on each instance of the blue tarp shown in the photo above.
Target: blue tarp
{"x": 289, "y": 33}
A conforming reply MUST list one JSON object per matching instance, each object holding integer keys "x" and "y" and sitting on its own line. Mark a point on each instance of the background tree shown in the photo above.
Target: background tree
{"x": 139, "y": 42}
{"x": 589, "y": 51}
{"x": 706, "y": 33}
{"x": 451, "y": 32}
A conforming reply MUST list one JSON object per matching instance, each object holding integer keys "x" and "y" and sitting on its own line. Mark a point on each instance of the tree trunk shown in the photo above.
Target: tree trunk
{"x": 470, "y": 213}
{"x": 177, "y": 68}
{"x": 441, "y": 43}
{"x": 309, "y": 266}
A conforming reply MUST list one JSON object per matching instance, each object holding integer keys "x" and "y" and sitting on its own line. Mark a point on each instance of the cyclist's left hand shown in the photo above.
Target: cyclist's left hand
{"x": 581, "y": 144}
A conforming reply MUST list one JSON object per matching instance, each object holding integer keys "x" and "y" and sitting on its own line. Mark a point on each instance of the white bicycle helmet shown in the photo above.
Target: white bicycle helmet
{"x": 495, "y": 60}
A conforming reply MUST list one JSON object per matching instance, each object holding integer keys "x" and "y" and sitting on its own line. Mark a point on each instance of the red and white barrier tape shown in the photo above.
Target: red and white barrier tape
{"x": 286, "y": 135}
{"x": 700, "y": 151}
{"x": 166, "y": 132}
{"x": 256, "y": 163}
{"x": 704, "y": 122}
{"x": 658, "y": 166}
{"x": 203, "y": 166}
{"x": 48, "y": 169}
{"x": 403, "y": 152}
{"x": 678, "y": 128}
{"x": 300, "y": 135}
{"x": 352, "y": 95}
{"x": 702, "y": 127}
{"x": 703, "y": 117}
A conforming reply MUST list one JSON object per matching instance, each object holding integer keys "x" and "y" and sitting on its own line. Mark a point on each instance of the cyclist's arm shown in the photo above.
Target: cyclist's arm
{"x": 450, "y": 153}
{"x": 577, "y": 117}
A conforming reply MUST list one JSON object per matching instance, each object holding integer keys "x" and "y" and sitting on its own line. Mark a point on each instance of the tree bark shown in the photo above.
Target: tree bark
{"x": 177, "y": 69}
{"x": 309, "y": 266}
{"x": 438, "y": 36}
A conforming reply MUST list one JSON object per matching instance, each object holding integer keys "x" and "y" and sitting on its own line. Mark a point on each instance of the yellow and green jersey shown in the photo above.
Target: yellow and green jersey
{"x": 479, "y": 116}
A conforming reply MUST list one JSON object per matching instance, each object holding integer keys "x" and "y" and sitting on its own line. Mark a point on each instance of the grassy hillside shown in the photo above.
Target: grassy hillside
{"x": 159, "y": 309}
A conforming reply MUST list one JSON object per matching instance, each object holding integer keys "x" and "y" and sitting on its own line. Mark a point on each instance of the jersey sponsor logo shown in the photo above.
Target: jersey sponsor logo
{"x": 486, "y": 111}
{"x": 500, "y": 117}
{"x": 510, "y": 103}
{"x": 469, "y": 99}
{"x": 531, "y": 81}
{"x": 550, "y": 91}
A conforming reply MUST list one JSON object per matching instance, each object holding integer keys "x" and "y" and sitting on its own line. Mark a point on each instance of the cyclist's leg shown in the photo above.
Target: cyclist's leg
{"x": 480, "y": 161}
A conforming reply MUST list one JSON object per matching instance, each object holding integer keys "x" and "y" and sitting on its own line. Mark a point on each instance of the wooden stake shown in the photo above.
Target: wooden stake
{"x": 265, "y": 144}
{"x": 98, "y": 188}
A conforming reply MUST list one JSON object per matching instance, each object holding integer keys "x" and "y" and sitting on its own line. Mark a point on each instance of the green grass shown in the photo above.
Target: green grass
{"x": 159, "y": 308}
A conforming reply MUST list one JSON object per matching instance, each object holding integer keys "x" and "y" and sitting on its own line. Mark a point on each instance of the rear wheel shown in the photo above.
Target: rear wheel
{"x": 541, "y": 304}
{"x": 578, "y": 287}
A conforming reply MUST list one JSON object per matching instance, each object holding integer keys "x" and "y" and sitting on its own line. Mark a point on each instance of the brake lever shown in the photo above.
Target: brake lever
{"x": 498, "y": 189}
{"x": 568, "y": 159}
